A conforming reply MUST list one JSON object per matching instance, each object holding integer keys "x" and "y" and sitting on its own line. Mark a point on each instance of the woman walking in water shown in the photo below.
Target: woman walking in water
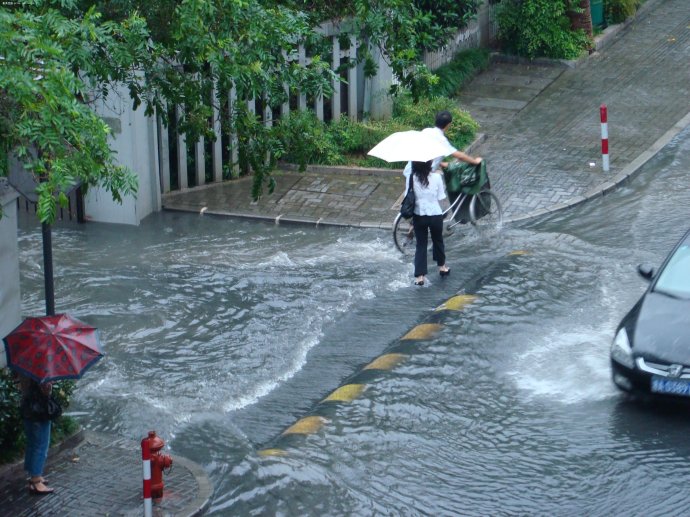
{"x": 428, "y": 218}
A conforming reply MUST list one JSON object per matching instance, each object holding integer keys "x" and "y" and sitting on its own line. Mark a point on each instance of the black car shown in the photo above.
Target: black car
{"x": 651, "y": 350}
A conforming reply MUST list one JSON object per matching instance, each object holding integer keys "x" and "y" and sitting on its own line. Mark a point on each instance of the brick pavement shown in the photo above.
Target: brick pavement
{"x": 98, "y": 475}
{"x": 542, "y": 132}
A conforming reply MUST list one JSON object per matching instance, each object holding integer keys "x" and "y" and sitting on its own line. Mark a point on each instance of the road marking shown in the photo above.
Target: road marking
{"x": 457, "y": 303}
{"x": 518, "y": 252}
{"x": 346, "y": 393}
{"x": 306, "y": 425}
{"x": 272, "y": 452}
{"x": 423, "y": 331}
{"x": 386, "y": 362}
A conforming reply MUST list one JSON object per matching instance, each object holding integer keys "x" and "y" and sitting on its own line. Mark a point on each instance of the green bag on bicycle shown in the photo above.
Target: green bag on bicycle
{"x": 464, "y": 177}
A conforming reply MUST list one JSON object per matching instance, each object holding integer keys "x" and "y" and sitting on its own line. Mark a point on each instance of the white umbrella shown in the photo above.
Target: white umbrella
{"x": 404, "y": 146}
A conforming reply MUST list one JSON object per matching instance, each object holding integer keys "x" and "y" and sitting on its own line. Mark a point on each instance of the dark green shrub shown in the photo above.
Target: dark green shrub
{"x": 302, "y": 139}
{"x": 617, "y": 11}
{"x": 458, "y": 72}
{"x": 422, "y": 114}
{"x": 540, "y": 28}
{"x": 11, "y": 435}
{"x": 11, "y": 426}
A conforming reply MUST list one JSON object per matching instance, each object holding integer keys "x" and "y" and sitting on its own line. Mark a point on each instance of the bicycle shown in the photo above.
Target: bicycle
{"x": 482, "y": 209}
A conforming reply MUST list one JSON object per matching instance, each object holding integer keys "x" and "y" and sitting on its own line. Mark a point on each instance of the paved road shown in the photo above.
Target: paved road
{"x": 542, "y": 133}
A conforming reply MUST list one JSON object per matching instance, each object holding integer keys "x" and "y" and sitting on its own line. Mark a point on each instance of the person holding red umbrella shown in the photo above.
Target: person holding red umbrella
{"x": 40, "y": 351}
{"x": 37, "y": 424}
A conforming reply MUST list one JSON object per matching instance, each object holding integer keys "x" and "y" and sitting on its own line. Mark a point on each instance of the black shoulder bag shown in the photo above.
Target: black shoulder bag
{"x": 407, "y": 205}
{"x": 37, "y": 406}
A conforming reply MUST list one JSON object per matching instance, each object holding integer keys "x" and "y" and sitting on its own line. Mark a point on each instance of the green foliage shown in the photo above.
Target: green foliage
{"x": 617, "y": 11}
{"x": 12, "y": 440}
{"x": 447, "y": 16}
{"x": 540, "y": 28}
{"x": 454, "y": 75}
{"x": 303, "y": 140}
{"x": 189, "y": 53}
{"x": 421, "y": 114}
{"x": 10, "y": 421}
{"x": 45, "y": 120}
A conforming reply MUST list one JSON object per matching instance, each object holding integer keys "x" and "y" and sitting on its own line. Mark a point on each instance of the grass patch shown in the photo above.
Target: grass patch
{"x": 460, "y": 71}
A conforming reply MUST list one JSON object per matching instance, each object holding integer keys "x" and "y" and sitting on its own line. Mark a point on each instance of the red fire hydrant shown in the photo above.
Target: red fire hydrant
{"x": 159, "y": 462}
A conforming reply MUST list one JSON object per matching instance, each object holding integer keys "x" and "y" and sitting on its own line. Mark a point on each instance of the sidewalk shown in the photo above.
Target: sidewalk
{"x": 96, "y": 475}
{"x": 541, "y": 127}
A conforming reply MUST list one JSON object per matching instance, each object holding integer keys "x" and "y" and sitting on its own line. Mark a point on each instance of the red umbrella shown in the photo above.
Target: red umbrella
{"x": 50, "y": 348}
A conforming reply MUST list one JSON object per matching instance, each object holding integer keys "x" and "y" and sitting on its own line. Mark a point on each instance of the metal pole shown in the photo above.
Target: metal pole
{"x": 146, "y": 460}
{"x": 48, "y": 269}
{"x": 80, "y": 205}
{"x": 603, "y": 112}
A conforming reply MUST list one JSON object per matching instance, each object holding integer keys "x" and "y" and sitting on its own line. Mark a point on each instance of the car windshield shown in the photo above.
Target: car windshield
{"x": 675, "y": 278}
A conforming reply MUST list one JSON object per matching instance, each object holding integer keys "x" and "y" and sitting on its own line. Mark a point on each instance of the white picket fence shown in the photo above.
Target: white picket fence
{"x": 351, "y": 97}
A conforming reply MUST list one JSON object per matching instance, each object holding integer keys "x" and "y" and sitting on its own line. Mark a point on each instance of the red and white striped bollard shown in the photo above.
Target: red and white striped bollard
{"x": 146, "y": 458}
{"x": 604, "y": 137}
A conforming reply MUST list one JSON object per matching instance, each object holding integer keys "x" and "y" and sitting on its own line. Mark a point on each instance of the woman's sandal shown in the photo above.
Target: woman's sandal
{"x": 419, "y": 282}
{"x": 33, "y": 489}
{"x": 444, "y": 273}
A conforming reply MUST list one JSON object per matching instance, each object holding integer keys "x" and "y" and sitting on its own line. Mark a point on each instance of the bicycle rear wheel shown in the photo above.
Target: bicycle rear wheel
{"x": 486, "y": 213}
{"x": 403, "y": 235}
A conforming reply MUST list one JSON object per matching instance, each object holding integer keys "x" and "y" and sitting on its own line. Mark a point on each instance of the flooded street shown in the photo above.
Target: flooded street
{"x": 220, "y": 334}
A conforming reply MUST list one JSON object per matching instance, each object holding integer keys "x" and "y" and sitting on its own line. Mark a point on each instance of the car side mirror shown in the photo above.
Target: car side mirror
{"x": 645, "y": 271}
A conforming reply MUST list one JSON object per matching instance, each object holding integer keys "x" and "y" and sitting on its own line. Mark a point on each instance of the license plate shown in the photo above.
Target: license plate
{"x": 670, "y": 386}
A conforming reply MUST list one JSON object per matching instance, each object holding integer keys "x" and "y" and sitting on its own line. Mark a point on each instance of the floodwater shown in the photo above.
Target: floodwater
{"x": 221, "y": 334}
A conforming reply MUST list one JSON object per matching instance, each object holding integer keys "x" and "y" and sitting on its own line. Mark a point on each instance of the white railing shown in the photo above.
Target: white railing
{"x": 347, "y": 99}
{"x": 464, "y": 39}
{"x": 347, "y": 91}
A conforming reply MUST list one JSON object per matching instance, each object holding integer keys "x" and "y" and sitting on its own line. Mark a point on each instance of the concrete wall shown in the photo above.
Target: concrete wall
{"x": 10, "y": 298}
{"x": 134, "y": 139}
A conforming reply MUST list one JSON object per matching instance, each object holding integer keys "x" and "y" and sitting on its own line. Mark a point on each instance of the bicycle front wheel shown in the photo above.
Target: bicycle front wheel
{"x": 403, "y": 235}
{"x": 486, "y": 213}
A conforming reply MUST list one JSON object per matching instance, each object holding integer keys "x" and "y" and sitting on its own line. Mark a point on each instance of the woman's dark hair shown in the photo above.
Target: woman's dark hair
{"x": 422, "y": 170}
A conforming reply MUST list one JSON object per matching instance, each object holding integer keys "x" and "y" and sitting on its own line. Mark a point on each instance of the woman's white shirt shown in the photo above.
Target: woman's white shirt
{"x": 427, "y": 198}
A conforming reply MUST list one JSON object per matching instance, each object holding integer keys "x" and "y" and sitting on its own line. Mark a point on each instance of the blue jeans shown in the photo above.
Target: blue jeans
{"x": 37, "y": 443}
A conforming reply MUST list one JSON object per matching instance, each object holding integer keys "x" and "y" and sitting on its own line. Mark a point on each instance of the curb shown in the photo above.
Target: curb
{"x": 365, "y": 171}
{"x": 196, "y": 507}
{"x": 626, "y": 174}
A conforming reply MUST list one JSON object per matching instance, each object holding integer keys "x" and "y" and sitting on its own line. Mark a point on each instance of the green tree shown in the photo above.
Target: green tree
{"x": 541, "y": 28}
{"x": 45, "y": 120}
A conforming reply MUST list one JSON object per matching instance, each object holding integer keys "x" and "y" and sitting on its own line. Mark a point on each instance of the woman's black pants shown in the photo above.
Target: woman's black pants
{"x": 423, "y": 225}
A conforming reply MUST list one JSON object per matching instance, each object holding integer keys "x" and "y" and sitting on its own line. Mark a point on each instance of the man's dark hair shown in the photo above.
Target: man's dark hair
{"x": 443, "y": 118}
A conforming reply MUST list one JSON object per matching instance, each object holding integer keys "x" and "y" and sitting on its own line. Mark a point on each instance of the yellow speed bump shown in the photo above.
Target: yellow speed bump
{"x": 423, "y": 331}
{"x": 306, "y": 425}
{"x": 518, "y": 252}
{"x": 346, "y": 393}
{"x": 457, "y": 303}
{"x": 272, "y": 452}
{"x": 386, "y": 362}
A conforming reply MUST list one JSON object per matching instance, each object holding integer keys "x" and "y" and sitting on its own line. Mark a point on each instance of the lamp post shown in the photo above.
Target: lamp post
{"x": 48, "y": 268}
